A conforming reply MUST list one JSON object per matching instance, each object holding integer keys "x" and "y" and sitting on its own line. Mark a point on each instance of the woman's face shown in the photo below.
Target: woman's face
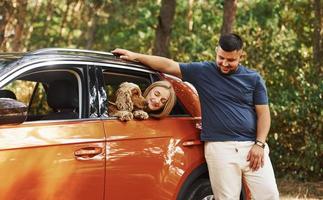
{"x": 157, "y": 98}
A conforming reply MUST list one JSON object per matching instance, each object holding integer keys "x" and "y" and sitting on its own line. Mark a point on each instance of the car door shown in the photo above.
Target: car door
{"x": 146, "y": 159}
{"x": 53, "y": 155}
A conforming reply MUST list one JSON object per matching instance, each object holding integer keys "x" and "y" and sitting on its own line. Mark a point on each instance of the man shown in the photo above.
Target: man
{"x": 235, "y": 118}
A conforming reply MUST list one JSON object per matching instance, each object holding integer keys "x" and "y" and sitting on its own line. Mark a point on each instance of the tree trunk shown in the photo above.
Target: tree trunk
{"x": 92, "y": 25}
{"x": 91, "y": 31}
{"x": 190, "y": 15}
{"x": 6, "y": 11}
{"x": 163, "y": 31}
{"x": 76, "y": 19}
{"x": 229, "y": 13}
{"x": 317, "y": 39}
{"x": 21, "y": 14}
{"x": 48, "y": 19}
{"x": 30, "y": 27}
{"x": 64, "y": 19}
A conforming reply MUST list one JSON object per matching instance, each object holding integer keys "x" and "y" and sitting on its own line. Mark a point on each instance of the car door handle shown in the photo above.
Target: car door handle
{"x": 192, "y": 143}
{"x": 87, "y": 153}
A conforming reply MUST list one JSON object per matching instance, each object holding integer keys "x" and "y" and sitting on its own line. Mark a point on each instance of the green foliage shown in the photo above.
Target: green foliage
{"x": 132, "y": 27}
{"x": 278, "y": 42}
{"x": 198, "y": 43}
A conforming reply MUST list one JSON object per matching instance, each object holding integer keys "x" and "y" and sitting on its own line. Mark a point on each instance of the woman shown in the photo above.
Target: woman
{"x": 161, "y": 98}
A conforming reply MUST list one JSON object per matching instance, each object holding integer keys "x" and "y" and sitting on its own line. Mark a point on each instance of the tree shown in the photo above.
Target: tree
{"x": 229, "y": 13}
{"x": 6, "y": 10}
{"x": 92, "y": 24}
{"x": 21, "y": 13}
{"x": 190, "y": 15}
{"x": 165, "y": 21}
{"x": 317, "y": 39}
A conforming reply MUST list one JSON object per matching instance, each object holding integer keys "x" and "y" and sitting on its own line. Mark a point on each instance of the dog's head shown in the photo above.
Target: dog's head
{"x": 129, "y": 97}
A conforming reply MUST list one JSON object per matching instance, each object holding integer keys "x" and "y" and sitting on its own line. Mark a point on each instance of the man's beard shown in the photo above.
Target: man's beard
{"x": 231, "y": 71}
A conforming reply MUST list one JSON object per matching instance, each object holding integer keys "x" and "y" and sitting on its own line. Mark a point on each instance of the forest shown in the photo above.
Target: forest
{"x": 283, "y": 41}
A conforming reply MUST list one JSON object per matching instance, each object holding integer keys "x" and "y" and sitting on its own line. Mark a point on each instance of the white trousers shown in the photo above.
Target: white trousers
{"x": 227, "y": 164}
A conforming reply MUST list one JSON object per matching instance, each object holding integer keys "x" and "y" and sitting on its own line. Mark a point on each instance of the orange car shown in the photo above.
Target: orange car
{"x": 63, "y": 144}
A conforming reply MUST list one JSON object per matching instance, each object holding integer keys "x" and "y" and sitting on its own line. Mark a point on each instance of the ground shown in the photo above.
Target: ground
{"x": 291, "y": 189}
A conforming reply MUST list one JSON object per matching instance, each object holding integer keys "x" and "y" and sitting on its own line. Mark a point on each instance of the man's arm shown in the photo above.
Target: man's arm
{"x": 263, "y": 122}
{"x": 158, "y": 63}
{"x": 256, "y": 153}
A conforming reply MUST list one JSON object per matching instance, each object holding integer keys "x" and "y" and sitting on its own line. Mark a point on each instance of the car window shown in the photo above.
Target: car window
{"x": 50, "y": 94}
{"x": 22, "y": 90}
{"x": 33, "y": 95}
{"x": 114, "y": 77}
{"x": 38, "y": 104}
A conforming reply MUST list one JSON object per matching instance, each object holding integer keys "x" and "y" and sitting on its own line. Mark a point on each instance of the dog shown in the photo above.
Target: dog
{"x": 129, "y": 103}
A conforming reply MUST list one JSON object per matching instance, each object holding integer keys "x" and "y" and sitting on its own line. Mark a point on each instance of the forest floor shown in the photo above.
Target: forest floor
{"x": 291, "y": 189}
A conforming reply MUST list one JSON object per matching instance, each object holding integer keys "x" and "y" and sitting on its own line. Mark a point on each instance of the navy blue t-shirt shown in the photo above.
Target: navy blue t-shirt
{"x": 227, "y": 101}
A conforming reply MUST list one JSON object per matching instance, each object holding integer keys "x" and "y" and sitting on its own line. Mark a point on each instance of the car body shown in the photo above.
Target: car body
{"x": 66, "y": 146}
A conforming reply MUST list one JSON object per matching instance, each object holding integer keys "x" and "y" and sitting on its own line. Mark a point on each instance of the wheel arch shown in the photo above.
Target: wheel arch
{"x": 199, "y": 172}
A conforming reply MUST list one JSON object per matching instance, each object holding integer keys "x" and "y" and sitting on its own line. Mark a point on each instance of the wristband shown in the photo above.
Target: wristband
{"x": 260, "y": 143}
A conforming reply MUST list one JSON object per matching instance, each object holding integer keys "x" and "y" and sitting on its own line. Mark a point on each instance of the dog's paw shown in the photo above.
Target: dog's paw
{"x": 140, "y": 114}
{"x": 125, "y": 116}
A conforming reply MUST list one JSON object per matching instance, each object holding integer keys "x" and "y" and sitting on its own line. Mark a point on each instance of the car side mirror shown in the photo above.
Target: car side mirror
{"x": 12, "y": 111}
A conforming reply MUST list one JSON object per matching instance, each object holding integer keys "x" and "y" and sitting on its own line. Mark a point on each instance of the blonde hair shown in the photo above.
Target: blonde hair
{"x": 167, "y": 108}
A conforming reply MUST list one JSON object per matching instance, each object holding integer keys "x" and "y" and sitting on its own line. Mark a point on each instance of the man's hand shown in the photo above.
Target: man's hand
{"x": 256, "y": 157}
{"x": 125, "y": 54}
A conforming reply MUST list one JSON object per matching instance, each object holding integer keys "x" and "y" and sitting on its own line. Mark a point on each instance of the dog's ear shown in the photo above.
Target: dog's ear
{"x": 136, "y": 91}
{"x": 123, "y": 100}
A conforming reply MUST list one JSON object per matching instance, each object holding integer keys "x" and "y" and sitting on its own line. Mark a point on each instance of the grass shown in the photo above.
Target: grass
{"x": 292, "y": 190}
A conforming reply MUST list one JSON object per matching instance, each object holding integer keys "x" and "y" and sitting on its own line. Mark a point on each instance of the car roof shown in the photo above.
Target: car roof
{"x": 13, "y": 61}
{"x": 66, "y": 54}
{"x": 86, "y": 55}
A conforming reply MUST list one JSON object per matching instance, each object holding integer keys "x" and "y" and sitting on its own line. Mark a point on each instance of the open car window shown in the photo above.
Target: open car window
{"x": 112, "y": 80}
{"x": 114, "y": 77}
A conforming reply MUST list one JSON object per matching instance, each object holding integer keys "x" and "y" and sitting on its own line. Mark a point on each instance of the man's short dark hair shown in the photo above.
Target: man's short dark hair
{"x": 230, "y": 42}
